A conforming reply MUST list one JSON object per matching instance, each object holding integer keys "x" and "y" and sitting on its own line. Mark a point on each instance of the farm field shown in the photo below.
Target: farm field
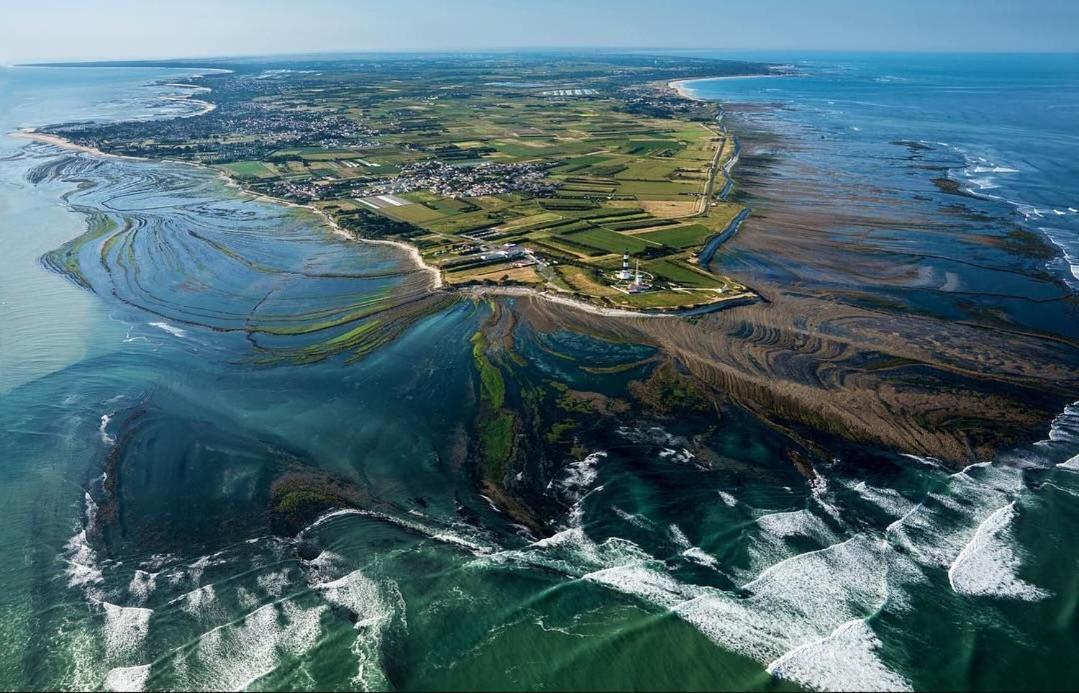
{"x": 620, "y": 184}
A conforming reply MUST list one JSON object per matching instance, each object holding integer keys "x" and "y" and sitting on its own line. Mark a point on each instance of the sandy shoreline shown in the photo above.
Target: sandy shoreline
{"x": 64, "y": 143}
{"x": 679, "y": 85}
{"x": 411, "y": 250}
{"x": 206, "y": 106}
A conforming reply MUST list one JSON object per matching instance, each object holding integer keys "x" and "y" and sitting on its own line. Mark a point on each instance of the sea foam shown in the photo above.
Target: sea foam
{"x": 845, "y": 660}
{"x": 373, "y": 612}
{"x": 987, "y": 565}
{"x": 125, "y": 629}
{"x": 236, "y": 655}
{"x": 127, "y": 678}
{"x": 171, "y": 329}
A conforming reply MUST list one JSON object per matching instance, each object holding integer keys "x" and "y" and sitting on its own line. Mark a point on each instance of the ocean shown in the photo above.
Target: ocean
{"x": 170, "y": 351}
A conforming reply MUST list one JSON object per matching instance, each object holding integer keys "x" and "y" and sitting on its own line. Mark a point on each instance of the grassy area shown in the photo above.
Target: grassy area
{"x": 610, "y": 241}
{"x": 250, "y": 169}
{"x": 585, "y": 281}
{"x": 681, "y": 273}
{"x": 679, "y": 236}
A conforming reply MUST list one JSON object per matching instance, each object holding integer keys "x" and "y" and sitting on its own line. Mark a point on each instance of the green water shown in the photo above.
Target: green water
{"x": 197, "y": 345}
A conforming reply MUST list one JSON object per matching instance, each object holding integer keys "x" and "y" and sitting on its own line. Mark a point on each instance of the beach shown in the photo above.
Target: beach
{"x": 62, "y": 143}
{"x": 680, "y": 86}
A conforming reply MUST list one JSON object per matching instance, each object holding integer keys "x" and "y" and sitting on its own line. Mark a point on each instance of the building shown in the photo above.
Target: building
{"x": 625, "y": 274}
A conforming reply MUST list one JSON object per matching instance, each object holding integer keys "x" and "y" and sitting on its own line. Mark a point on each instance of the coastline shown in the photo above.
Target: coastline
{"x": 411, "y": 251}
{"x": 518, "y": 291}
{"x": 679, "y": 85}
{"x": 206, "y": 106}
{"x": 712, "y": 244}
{"x": 64, "y": 143}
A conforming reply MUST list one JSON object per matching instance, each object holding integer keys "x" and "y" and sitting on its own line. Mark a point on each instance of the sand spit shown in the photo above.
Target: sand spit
{"x": 62, "y": 143}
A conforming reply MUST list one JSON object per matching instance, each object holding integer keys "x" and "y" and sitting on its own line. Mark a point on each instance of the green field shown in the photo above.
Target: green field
{"x": 649, "y": 169}
{"x": 611, "y": 241}
{"x": 681, "y": 274}
{"x": 250, "y": 169}
{"x": 679, "y": 236}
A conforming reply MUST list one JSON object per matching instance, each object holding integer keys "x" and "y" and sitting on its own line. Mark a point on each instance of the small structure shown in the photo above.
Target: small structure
{"x": 638, "y": 284}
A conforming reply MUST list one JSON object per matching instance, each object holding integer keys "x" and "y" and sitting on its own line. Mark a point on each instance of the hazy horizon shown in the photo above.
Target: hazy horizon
{"x": 747, "y": 55}
{"x": 65, "y": 30}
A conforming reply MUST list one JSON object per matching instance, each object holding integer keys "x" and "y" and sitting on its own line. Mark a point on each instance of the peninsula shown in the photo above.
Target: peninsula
{"x": 593, "y": 180}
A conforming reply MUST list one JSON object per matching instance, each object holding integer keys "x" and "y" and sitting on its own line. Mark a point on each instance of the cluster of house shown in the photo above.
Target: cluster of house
{"x": 477, "y": 180}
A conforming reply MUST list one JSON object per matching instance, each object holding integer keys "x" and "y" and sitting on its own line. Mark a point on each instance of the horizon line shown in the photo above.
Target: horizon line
{"x": 532, "y": 49}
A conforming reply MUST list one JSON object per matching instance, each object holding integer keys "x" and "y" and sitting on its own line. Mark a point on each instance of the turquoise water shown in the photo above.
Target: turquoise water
{"x": 183, "y": 345}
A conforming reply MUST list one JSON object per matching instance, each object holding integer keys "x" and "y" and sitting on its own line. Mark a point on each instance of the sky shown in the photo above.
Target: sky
{"x": 126, "y": 29}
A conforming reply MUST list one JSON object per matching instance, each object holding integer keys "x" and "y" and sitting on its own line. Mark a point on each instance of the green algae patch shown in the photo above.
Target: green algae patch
{"x": 492, "y": 386}
{"x": 558, "y": 431}
{"x": 310, "y": 322}
{"x": 357, "y": 341}
{"x": 494, "y": 423}
{"x": 497, "y": 441}
{"x": 667, "y": 391}
{"x": 65, "y": 259}
{"x": 298, "y": 499}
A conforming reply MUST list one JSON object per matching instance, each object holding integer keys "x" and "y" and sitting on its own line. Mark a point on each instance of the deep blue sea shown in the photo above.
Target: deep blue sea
{"x": 161, "y": 373}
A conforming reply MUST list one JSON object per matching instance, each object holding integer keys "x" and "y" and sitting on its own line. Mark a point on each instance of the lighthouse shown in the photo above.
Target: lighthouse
{"x": 625, "y": 274}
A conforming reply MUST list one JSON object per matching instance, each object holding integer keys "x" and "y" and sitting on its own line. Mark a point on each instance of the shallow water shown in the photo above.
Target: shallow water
{"x": 204, "y": 341}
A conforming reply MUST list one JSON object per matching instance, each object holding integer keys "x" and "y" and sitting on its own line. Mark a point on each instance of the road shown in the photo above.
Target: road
{"x": 713, "y": 170}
